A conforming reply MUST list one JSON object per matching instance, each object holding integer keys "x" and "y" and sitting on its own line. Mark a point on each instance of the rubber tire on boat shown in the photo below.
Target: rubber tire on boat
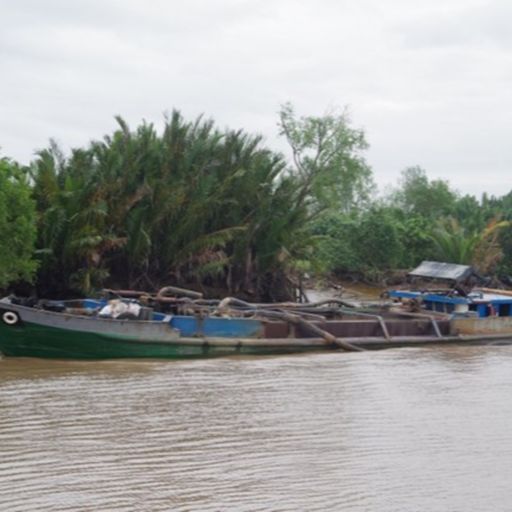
{"x": 10, "y": 318}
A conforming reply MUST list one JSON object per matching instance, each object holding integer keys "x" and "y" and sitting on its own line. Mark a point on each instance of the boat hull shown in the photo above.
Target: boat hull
{"x": 28, "y": 332}
{"x": 488, "y": 325}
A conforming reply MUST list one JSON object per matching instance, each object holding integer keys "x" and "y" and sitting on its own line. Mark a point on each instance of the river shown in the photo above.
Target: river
{"x": 396, "y": 430}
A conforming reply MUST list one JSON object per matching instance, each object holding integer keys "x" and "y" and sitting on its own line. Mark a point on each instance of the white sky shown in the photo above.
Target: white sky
{"x": 430, "y": 82}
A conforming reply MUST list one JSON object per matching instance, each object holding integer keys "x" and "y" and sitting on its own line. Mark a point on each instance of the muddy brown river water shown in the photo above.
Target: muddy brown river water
{"x": 397, "y": 430}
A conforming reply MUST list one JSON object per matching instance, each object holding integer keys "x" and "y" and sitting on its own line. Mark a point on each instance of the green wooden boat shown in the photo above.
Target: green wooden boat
{"x": 32, "y": 332}
{"x": 38, "y": 332}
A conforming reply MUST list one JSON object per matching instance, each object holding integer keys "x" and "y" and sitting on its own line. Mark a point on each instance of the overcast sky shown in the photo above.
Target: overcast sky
{"x": 430, "y": 82}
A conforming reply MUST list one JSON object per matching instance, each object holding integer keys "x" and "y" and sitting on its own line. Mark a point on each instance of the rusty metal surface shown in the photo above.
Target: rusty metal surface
{"x": 490, "y": 325}
{"x": 276, "y": 329}
{"x": 439, "y": 270}
{"x": 369, "y": 328}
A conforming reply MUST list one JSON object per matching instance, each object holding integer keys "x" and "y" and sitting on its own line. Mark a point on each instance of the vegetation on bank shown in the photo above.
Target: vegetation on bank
{"x": 208, "y": 208}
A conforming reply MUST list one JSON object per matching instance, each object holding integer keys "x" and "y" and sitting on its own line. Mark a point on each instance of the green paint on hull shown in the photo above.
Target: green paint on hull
{"x": 33, "y": 340}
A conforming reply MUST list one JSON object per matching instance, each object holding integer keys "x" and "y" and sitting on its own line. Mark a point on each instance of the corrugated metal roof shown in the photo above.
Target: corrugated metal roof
{"x": 438, "y": 270}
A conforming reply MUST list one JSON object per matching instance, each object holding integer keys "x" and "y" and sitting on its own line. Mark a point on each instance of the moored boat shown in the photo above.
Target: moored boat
{"x": 191, "y": 327}
{"x": 77, "y": 331}
{"x": 473, "y": 310}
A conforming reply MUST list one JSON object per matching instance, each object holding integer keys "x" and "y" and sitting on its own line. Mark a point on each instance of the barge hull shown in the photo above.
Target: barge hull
{"x": 34, "y": 340}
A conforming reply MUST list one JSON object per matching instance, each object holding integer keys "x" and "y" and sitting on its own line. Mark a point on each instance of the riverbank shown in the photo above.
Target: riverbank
{"x": 351, "y": 291}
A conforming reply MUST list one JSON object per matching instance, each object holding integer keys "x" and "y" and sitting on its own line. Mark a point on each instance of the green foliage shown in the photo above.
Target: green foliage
{"x": 423, "y": 197}
{"x": 379, "y": 241}
{"x": 373, "y": 241}
{"x": 505, "y": 242}
{"x": 413, "y": 224}
{"x": 415, "y": 238}
{"x": 17, "y": 225}
{"x": 327, "y": 157}
{"x": 193, "y": 205}
{"x": 197, "y": 206}
{"x": 469, "y": 213}
{"x": 456, "y": 244}
{"x": 453, "y": 243}
{"x": 337, "y": 248}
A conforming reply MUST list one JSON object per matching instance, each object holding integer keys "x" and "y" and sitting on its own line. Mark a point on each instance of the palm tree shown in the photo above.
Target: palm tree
{"x": 193, "y": 205}
{"x": 454, "y": 244}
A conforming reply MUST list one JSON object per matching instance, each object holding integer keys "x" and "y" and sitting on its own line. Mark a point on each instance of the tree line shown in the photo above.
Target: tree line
{"x": 217, "y": 210}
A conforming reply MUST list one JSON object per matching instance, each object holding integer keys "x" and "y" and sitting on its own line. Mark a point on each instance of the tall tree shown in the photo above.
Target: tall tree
{"x": 328, "y": 158}
{"x": 421, "y": 196}
{"x": 17, "y": 225}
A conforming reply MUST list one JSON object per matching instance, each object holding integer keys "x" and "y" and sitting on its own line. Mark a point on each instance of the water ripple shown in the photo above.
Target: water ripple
{"x": 399, "y": 430}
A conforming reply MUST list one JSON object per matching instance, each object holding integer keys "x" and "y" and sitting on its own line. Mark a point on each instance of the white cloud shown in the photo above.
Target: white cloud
{"x": 430, "y": 82}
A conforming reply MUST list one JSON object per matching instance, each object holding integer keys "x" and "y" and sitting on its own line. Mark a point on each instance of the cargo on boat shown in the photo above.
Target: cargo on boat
{"x": 473, "y": 310}
{"x": 188, "y": 326}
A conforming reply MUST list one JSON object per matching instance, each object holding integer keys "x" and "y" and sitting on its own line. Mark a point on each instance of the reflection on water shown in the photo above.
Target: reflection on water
{"x": 398, "y": 430}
